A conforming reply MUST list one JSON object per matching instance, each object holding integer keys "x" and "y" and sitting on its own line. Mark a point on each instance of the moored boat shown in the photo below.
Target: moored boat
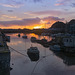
{"x": 33, "y": 39}
{"x": 55, "y": 47}
{"x": 8, "y": 38}
{"x": 18, "y": 35}
{"x": 33, "y": 53}
{"x": 25, "y": 37}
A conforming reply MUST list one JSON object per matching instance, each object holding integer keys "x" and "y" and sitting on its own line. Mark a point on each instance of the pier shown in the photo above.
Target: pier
{"x": 4, "y": 56}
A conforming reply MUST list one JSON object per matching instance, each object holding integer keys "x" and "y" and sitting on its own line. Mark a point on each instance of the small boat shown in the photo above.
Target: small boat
{"x": 33, "y": 39}
{"x": 55, "y": 47}
{"x": 43, "y": 41}
{"x": 33, "y": 53}
{"x": 25, "y": 37}
{"x": 18, "y": 35}
{"x": 7, "y": 38}
{"x": 46, "y": 45}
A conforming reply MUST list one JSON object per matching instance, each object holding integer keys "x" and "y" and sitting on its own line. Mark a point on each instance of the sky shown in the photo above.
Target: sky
{"x": 35, "y": 13}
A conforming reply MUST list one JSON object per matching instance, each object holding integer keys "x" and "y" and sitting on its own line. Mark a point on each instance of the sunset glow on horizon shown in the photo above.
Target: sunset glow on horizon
{"x": 15, "y": 14}
{"x": 37, "y": 27}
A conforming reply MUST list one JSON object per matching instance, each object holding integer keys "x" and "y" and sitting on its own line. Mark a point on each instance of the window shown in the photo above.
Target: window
{"x": 67, "y": 40}
{"x": 70, "y": 40}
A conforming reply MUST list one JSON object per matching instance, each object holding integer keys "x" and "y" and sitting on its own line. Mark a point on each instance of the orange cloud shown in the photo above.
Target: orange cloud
{"x": 11, "y": 17}
{"x": 12, "y": 3}
{"x": 59, "y": 4}
{"x": 37, "y": 27}
{"x": 30, "y": 23}
{"x": 64, "y": 2}
{"x": 17, "y": 27}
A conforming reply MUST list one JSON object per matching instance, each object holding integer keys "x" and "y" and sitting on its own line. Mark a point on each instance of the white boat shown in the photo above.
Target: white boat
{"x": 55, "y": 47}
{"x": 33, "y": 53}
{"x": 24, "y": 36}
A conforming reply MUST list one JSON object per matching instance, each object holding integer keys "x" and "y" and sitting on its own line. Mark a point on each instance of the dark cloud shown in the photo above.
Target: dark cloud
{"x": 16, "y": 3}
{"x": 65, "y": 2}
{"x": 53, "y": 12}
{"x": 50, "y": 12}
{"x": 73, "y": 4}
{"x": 10, "y": 10}
{"x": 49, "y": 18}
{"x": 37, "y": 0}
{"x": 12, "y": 3}
{"x": 34, "y": 0}
{"x": 66, "y": 9}
{"x": 30, "y": 21}
{"x": 23, "y": 22}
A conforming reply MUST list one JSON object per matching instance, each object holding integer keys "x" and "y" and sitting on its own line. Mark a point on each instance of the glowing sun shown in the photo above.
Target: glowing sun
{"x": 37, "y": 27}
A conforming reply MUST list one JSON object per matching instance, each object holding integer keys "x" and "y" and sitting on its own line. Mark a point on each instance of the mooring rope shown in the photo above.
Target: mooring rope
{"x": 17, "y": 51}
{"x": 27, "y": 56}
{"x": 38, "y": 62}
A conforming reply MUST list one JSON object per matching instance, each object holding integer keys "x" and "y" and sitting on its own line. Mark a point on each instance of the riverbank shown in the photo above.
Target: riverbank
{"x": 4, "y": 56}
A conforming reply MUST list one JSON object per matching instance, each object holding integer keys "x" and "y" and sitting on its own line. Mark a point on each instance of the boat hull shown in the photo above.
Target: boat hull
{"x": 25, "y": 37}
{"x": 33, "y": 56}
{"x": 54, "y": 48}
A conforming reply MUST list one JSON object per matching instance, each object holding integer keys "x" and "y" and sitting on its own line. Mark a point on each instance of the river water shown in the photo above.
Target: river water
{"x": 49, "y": 63}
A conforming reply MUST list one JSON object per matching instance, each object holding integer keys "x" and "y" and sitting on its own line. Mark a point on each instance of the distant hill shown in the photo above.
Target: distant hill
{"x": 71, "y": 22}
{"x": 58, "y": 25}
{"x": 63, "y": 27}
{"x": 71, "y": 26}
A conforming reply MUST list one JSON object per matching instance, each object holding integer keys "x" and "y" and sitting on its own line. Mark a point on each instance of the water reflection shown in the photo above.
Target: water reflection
{"x": 33, "y": 53}
{"x": 67, "y": 60}
{"x": 48, "y": 63}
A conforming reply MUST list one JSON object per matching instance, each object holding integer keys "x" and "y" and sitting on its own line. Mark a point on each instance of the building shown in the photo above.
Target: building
{"x": 71, "y": 27}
